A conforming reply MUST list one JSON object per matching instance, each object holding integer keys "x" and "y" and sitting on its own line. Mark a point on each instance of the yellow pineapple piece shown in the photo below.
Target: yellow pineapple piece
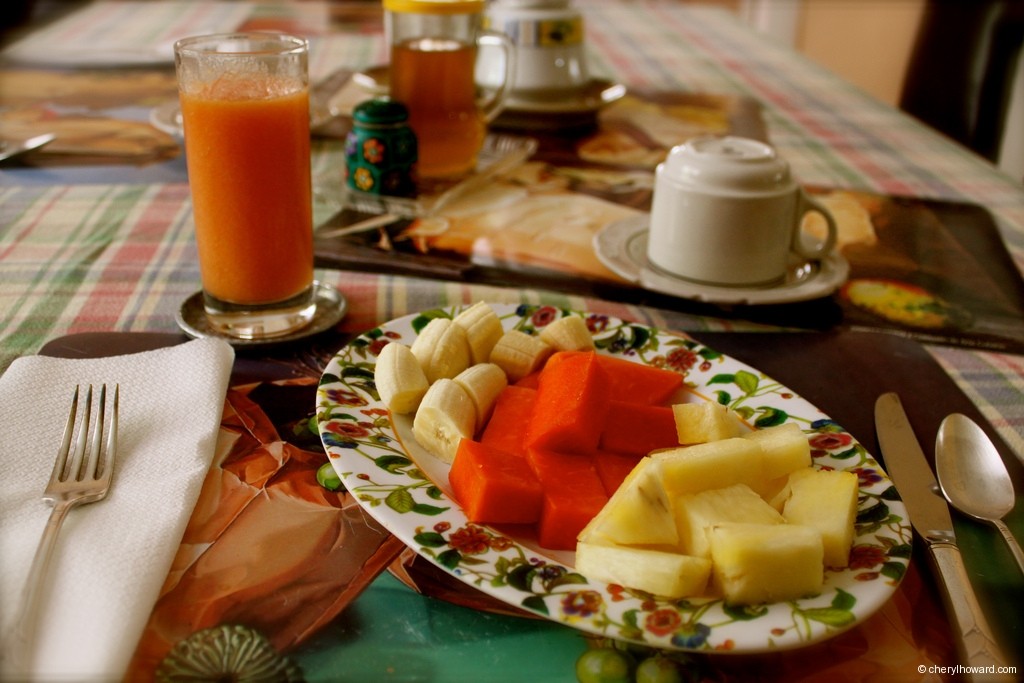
{"x": 785, "y": 447}
{"x": 712, "y": 465}
{"x": 662, "y": 573}
{"x": 825, "y": 500}
{"x": 638, "y": 513}
{"x": 755, "y": 563}
{"x": 705, "y": 421}
{"x": 696, "y": 513}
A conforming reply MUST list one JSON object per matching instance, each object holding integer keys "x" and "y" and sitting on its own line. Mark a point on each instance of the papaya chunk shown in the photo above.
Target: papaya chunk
{"x": 613, "y": 468}
{"x": 573, "y": 495}
{"x": 637, "y": 428}
{"x": 512, "y": 412}
{"x": 493, "y": 486}
{"x": 637, "y": 383}
{"x": 572, "y": 400}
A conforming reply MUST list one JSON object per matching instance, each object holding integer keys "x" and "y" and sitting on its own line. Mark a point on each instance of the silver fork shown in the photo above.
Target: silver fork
{"x": 79, "y": 477}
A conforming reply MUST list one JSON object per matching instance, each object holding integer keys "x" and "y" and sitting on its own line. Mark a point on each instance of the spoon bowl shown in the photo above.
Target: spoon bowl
{"x": 972, "y": 476}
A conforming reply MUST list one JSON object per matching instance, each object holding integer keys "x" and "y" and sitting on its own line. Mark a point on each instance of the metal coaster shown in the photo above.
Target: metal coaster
{"x": 331, "y": 307}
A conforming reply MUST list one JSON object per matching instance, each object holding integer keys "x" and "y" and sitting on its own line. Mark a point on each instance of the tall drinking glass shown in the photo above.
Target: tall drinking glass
{"x": 245, "y": 112}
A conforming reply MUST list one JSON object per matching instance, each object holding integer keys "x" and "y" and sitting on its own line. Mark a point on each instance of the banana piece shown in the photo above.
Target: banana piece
{"x": 400, "y": 379}
{"x": 483, "y": 382}
{"x": 568, "y": 334}
{"x": 445, "y": 417}
{"x": 520, "y": 354}
{"x": 483, "y": 330}
{"x": 442, "y": 349}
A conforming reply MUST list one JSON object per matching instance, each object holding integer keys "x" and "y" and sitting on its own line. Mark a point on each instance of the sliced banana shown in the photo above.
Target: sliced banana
{"x": 520, "y": 354}
{"x": 400, "y": 379}
{"x": 442, "y": 349}
{"x": 568, "y": 334}
{"x": 483, "y": 330}
{"x": 446, "y": 415}
{"x": 483, "y": 382}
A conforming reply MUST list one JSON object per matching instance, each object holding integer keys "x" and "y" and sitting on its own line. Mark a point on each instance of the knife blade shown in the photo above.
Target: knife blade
{"x": 930, "y": 517}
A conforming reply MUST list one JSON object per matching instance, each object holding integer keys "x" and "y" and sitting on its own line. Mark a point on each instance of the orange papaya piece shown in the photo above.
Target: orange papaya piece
{"x": 638, "y": 383}
{"x": 638, "y": 429}
{"x": 572, "y": 400}
{"x": 573, "y": 495}
{"x": 512, "y": 413}
{"x": 493, "y": 486}
{"x": 612, "y": 468}
{"x": 530, "y": 381}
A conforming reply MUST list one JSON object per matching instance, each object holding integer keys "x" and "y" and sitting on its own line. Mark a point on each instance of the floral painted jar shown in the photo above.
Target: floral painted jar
{"x": 380, "y": 150}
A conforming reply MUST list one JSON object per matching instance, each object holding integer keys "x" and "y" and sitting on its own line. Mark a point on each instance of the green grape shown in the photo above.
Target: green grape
{"x": 658, "y": 669}
{"x": 604, "y": 665}
{"x": 328, "y": 478}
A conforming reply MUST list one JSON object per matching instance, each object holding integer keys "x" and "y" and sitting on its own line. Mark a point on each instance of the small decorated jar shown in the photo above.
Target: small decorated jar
{"x": 380, "y": 150}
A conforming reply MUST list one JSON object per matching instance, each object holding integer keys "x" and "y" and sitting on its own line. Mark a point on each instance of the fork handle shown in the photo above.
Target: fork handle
{"x": 22, "y": 641}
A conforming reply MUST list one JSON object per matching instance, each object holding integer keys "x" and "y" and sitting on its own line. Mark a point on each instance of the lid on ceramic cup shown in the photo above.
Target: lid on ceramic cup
{"x": 435, "y": 6}
{"x": 727, "y": 164}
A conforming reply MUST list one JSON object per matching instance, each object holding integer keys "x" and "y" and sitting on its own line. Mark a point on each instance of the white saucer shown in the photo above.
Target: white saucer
{"x": 622, "y": 247}
{"x": 589, "y": 98}
{"x": 331, "y": 307}
{"x": 167, "y": 117}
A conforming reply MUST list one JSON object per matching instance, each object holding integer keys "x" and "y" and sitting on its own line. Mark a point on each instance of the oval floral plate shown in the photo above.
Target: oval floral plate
{"x": 407, "y": 491}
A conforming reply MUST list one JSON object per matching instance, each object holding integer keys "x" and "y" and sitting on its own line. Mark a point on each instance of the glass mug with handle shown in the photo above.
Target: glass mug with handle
{"x": 245, "y": 114}
{"x": 435, "y": 46}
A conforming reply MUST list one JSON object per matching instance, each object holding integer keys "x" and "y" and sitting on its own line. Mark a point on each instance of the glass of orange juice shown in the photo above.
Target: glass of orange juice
{"x": 245, "y": 113}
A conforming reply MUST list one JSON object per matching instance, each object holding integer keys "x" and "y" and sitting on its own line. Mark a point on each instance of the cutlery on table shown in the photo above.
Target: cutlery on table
{"x": 13, "y": 148}
{"x": 973, "y": 477}
{"x": 79, "y": 476}
{"x": 930, "y": 517}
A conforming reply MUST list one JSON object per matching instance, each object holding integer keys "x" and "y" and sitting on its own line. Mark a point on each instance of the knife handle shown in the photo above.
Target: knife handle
{"x": 976, "y": 644}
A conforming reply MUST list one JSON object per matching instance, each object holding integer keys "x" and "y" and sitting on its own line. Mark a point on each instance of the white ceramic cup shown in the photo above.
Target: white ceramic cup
{"x": 726, "y": 211}
{"x": 549, "y": 44}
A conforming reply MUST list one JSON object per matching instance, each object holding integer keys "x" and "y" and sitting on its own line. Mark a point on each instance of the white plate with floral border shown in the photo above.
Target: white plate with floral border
{"x": 407, "y": 491}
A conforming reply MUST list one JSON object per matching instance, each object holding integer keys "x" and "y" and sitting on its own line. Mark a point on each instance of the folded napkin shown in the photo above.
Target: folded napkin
{"x": 112, "y": 556}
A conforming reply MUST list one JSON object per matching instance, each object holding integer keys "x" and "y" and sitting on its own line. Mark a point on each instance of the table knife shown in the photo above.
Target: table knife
{"x": 930, "y": 517}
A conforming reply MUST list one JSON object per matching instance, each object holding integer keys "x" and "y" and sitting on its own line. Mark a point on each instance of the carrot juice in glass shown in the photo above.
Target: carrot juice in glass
{"x": 245, "y": 114}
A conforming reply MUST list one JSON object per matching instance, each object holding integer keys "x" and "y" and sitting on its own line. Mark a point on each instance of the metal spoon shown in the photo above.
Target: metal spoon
{"x": 12, "y": 148}
{"x": 972, "y": 476}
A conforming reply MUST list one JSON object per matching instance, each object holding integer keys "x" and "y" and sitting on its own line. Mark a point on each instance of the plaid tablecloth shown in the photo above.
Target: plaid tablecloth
{"x": 121, "y": 257}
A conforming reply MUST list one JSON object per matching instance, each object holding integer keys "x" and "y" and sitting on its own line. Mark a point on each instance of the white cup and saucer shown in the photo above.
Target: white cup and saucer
{"x": 552, "y": 75}
{"x": 725, "y": 227}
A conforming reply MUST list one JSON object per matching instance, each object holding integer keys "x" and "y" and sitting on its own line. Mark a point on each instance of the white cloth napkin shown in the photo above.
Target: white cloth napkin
{"x": 112, "y": 556}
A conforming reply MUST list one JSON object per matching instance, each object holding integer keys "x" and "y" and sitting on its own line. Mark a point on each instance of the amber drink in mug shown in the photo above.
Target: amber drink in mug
{"x": 727, "y": 212}
{"x": 435, "y": 45}
{"x": 245, "y": 113}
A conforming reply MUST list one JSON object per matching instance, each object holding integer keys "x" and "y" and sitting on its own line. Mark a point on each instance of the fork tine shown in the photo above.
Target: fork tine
{"x": 107, "y": 463}
{"x": 91, "y": 464}
{"x": 60, "y": 464}
{"x": 77, "y": 464}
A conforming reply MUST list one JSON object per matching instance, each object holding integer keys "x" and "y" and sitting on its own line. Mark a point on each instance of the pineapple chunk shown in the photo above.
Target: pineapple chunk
{"x": 638, "y": 513}
{"x": 667, "y": 574}
{"x": 698, "y": 512}
{"x": 773, "y": 491}
{"x": 785, "y": 447}
{"x": 705, "y": 421}
{"x": 712, "y": 465}
{"x": 755, "y": 563}
{"x": 825, "y": 500}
